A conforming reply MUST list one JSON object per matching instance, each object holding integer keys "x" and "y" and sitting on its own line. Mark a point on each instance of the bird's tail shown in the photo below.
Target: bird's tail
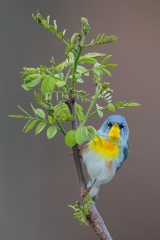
{"x": 94, "y": 189}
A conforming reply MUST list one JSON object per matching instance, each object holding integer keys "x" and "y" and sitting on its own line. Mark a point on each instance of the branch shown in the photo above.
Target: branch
{"x": 94, "y": 218}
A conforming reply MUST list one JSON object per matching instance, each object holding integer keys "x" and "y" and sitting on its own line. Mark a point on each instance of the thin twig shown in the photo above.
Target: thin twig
{"x": 94, "y": 218}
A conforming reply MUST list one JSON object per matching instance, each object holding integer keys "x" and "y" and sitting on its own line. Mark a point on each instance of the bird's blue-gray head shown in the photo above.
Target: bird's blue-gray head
{"x": 115, "y": 125}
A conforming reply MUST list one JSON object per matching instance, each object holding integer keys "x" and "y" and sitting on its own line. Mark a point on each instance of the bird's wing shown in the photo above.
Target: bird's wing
{"x": 125, "y": 153}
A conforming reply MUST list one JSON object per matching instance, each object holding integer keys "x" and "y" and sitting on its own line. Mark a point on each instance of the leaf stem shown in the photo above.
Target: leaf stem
{"x": 61, "y": 127}
{"x": 103, "y": 108}
{"x": 81, "y": 46}
{"x": 63, "y": 40}
{"x": 90, "y": 108}
{"x": 75, "y": 66}
{"x": 67, "y": 75}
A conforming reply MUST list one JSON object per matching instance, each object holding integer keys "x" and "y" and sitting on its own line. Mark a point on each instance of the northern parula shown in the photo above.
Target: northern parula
{"x": 103, "y": 158}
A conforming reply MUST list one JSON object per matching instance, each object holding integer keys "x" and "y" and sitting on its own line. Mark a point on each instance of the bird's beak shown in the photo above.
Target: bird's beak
{"x": 115, "y": 131}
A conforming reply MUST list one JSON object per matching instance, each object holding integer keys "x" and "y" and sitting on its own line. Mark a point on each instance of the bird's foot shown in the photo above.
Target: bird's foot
{"x": 85, "y": 192}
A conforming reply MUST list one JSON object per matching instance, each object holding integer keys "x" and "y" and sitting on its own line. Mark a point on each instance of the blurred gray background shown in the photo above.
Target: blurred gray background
{"x": 37, "y": 176}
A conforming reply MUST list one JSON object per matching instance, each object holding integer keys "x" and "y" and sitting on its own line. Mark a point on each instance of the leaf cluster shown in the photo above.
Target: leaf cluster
{"x": 65, "y": 80}
{"x": 82, "y": 211}
{"x": 39, "y": 121}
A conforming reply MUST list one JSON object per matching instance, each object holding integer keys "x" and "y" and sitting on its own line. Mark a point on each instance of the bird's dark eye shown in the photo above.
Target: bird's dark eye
{"x": 109, "y": 124}
{"x": 121, "y": 126}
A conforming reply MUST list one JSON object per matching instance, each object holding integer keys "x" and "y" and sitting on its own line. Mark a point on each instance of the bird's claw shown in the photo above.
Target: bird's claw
{"x": 85, "y": 192}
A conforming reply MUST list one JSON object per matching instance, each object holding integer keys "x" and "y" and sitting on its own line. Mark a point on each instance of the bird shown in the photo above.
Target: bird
{"x": 105, "y": 154}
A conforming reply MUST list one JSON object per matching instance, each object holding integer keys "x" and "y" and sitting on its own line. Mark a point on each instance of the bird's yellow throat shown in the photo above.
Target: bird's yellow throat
{"x": 107, "y": 147}
{"x": 114, "y": 132}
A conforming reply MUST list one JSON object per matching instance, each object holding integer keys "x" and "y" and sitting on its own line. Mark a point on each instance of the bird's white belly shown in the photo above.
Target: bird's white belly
{"x": 97, "y": 167}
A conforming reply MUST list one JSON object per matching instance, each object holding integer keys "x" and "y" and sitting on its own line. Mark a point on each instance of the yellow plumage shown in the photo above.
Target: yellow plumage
{"x": 107, "y": 148}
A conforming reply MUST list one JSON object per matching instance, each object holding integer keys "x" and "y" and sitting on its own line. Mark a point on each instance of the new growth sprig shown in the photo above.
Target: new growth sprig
{"x": 82, "y": 211}
{"x": 59, "y": 90}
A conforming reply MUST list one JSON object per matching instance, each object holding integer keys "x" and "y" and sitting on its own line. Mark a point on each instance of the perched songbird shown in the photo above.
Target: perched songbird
{"x": 103, "y": 158}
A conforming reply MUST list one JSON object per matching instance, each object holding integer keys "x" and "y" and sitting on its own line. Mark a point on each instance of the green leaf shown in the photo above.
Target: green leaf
{"x": 70, "y": 138}
{"x": 51, "y": 119}
{"x": 71, "y": 206}
{"x": 16, "y": 116}
{"x": 73, "y": 38}
{"x": 40, "y": 99}
{"x": 40, "y": 113}
{"x": 111, "y": 107}
{"x": 85, "y": 210}
{"x": 94, "y": 133}
{"x": 92, "y": 130}
{"x": 34, "y": 110}
{"x": 93, "y": 55}
{"x": 106, "y": 71}
{"x": 133, "y": 104}
{"x": 32, "y": 76}
{"x": 82, "y": 70}
{"x": 41, "y": 20}
{"x": 52, "y": 29}
{"x": 60, "y": 83}
{"x": 80, "y": 80}
{"x": 31, "y": 125}
{"x": 30, "y": 120}
{"x": 121, "y": 104}
{"x": 79, "y": 107}
{"x": 41, "y": 69}
{"x": 79, "y": 112}
{"x": 106, "y": 59}
{"x": 51, "y": 131}
{"x": 87, "y": 60}
{"x": 25, "y": 87}
{"x": 81, "y": 135}
{"x": 112, "y": 65}
{"x": 31, "y": 81}
{"x": 48, "y": 85}
{"x": 98, "y": 107}
{"x": 40, "y": 127}
{"x": 62, "y": 111}
{"x": 28, "y": 71}
{"x": 100, "y": 113}
{"x": 80, "y": 115}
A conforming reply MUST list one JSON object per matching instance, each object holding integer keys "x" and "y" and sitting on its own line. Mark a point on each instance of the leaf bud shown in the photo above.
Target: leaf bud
{"x": 85, "y": 26}
{"x": 105, "y": 85}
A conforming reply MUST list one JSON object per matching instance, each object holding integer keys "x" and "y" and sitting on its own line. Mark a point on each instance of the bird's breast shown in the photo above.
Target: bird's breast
{"x": 107, "y": 148}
